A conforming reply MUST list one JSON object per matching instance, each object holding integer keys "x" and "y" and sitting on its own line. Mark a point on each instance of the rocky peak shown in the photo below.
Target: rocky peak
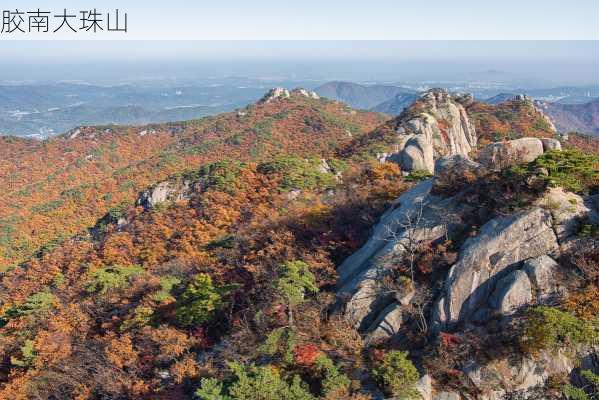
{"x": 305, "y": 93}
{"x": 282, "y": 93}
{"x": 523, "y": 98}
{"x": 435, "y": 125}
{"x": 274, "y": 94}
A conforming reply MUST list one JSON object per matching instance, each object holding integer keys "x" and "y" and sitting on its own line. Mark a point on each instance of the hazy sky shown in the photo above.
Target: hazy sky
{"x": 64, "y": 51}
{"x": 366, "y": 39}
{"x": 340, "y": 19}
{"x": 539, "y": 62}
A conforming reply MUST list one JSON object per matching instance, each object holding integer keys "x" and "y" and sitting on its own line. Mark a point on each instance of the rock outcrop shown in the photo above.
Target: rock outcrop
{"x": 542, "y": 274}
{"x": 435, "y": 125}
{"x": 282, "y": 93}
{"x": 452, "y": 173}
{"x": 476, "y": 287}
{"x": 497, "y": 156}
{"x": 274, "y": 94}
{"x": 417, "y": 155}
{"x": 500, "y": 244}
{"x": 567, "y": 209}
{"x": 418, "y": 216}
{"x": 523, "y": 377}
{"x": 387, "y": 324}
{"x": 551, "y": 144}
{"x": 164, "y": 192}
{"x": 512, "y": 292}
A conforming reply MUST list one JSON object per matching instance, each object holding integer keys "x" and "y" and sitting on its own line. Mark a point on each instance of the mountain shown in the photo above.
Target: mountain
{"x": 583, "y": 118}
{"x": 576, "y": 99}
{"x": 397, "y": 104}
{"x": 500, "y": 98}
{"x": 48, "y": 109}
{"x": 76, "y": 177}
{"x": 515, "y": 118}
{"x": 297, "y": 249}
{"x": 360, "y": 96}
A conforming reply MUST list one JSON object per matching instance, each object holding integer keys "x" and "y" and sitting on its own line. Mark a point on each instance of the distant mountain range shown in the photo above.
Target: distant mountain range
{"x": 361, "y": 96}
{"x": 44, "y": 110}
{"x": 397, "y": 104}
{"x": 568, "y": 99}
{"x": 583, "y": 118}
{"x": 568, "y": 114}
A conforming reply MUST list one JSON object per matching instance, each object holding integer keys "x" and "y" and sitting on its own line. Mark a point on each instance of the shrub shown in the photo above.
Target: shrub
{"x": 222, "y": 175}
{"x": 295, "y": 280}
{"x": 167, "y": 284}
{"x": 142, "y": 316}
{"x": 589, "y": 230}
{"x": 333, "y": 382}
{"x": 48, "y": 207}
{"x": 27, "y": 355}
{"x": 116, "y": 277}
{"x": 298, "y": 173}
{"x": 541, "y": 124}
{"x": 398, "y": 375}
{"x": 34, "y": 305}
{"x": 211, "y": 389}
{"x": 584, "y": 303}
{"x": 417, "y": 176}
{"x": 119, "y": 211}
{"x": 306, "y": 355}
{"x": 550, "y": 328}
{"x": 574, "y": 393}
{"x": 572, "y": 169}
{"x": 280, "y": 341}
{"x": 588, "y": 392}
{"x": 254, "y": 383}
{"x": 199, "y": 302}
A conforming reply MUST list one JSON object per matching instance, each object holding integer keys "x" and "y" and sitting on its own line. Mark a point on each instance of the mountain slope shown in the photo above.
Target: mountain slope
{"x": 583, "y": 118}
{"x": 512, "y": 119}
{"x": 500, "y": 98}
{"x": 77, "y": 177}
{"x": 251, "y": 265}
{"x": 359, "y": 96}
{"x": 226, "y": 201}
{"x": 397, "y": 104}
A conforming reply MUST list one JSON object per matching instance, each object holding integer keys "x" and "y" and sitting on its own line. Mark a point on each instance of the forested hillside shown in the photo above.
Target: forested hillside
{"x": 59, "y": 187}
{"x": 299, "y": 249}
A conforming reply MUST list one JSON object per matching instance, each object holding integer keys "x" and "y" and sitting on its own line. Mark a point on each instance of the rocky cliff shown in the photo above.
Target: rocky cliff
{"x": 435, "y": 125}
{"x": 505, "y": 263}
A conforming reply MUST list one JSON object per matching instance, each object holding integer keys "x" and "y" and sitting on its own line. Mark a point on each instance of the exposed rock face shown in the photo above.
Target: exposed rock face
{"x": 417, "y": 155}
{"x": 497, "y": 156}
{"x": 435, "y": 122}
{"x": 501, "y": 243}
{"x": 360, "y": 274}
{"x": 592, "y": 203}
{"x": 497, "y": 378}
{"x": 541, "y": 272}
{"x": 447, "y": 396}
{"x": 308, "y": 94}
{"x": 454, "y": 172}
{"x": 274, "y": 94}
{"x": 424, "y": 387}
{"x": 567, "y": 209}
{"x": 387, "y": 324}
{"x": 163, "y": 192}
{"x": 282, "y": 93}
{"x": 551, "y": 144}
{"x": 518, "y": 377}
{"x": 512, "y": 292}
